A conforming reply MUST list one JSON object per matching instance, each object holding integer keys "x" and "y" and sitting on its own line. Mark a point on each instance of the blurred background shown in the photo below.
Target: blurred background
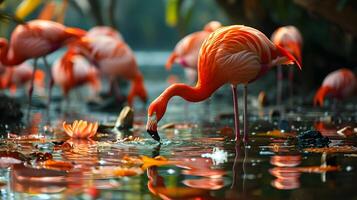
{"x": 328, "y": 27}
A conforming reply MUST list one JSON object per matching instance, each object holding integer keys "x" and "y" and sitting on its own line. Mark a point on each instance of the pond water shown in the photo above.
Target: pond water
{"x": 197, "y": 158}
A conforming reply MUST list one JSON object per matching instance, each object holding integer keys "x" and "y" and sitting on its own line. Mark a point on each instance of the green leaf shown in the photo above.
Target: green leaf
{"x": 172, "y": 12}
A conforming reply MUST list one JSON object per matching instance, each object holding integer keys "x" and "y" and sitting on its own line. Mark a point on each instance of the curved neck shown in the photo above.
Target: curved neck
{"x": 189, "y": 93}
{"x": 7, "y": 58}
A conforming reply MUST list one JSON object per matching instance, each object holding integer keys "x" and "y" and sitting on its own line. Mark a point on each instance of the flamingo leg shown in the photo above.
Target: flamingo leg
{"x": 31, "y": 88}
{"x": 291, "y": 82}
{"x": 50, "y": 86}
{"x": 67, "y": 103}
{"x": 114, "y": 88}
{"x": 279, "y": 87}
{"x": 236, "y": 112}
{"x": 245, "y": 113}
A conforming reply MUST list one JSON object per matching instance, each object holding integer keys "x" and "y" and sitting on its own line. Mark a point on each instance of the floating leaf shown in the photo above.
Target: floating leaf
{"x": 276, "y": 133}
{"x": 179, "y": 192}
{"x": 118, "y": 171}
{"x": 157, "y": 161}
{"x": 335, "y": 149}
{"x": 57, "y": 164}
{"x": 318, "y": 169}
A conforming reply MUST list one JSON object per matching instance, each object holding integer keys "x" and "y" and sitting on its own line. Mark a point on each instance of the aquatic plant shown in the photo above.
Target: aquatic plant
{"x": 80, "y": 129}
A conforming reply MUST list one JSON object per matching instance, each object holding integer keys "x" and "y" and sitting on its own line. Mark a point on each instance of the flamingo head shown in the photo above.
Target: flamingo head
{"x": 212, "y": 26}
{"x": 156, "y": 111}
{"x": 321, "y": 94}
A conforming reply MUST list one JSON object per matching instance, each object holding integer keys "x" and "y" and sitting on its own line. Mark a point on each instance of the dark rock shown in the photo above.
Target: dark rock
{"x": 125, "y": 119}
{"x": 312, "y": 138}
{"x": 10, "y": 110}
{"x": 274, "y": 114}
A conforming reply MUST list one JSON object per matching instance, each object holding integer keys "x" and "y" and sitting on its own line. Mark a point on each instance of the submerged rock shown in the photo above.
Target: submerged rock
{"x": 125, "y": 119}
{"x": 274, "y": 114}
{"x": 312, "y": 138}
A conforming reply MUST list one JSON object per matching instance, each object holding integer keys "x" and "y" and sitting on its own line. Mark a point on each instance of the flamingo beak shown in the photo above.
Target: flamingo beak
{"x": 151, "y": 127}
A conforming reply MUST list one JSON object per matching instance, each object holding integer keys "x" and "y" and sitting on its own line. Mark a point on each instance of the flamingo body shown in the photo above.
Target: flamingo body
{"x": 18, "y": 76}
{"x": 234, "y": 55}
{"x": 104, "y": 30}
{"x": 339, "y": 84}
{"x": 289, "y": 37}
{"x": 115, "y": 59}
{"x": 73, "y": 70}
{"x": 187, "y": 49}
{"x": 35, "y": 39}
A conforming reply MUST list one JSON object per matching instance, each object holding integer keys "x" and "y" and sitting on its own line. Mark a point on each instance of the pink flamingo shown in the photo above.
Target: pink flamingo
{"x": 104, "y": 30}
{"x": 20, "y": 75}
{"x": 73, "y": 70}
{"x": 35, "y": 39}
{"x": 186, "y": 50}
{"x": 234, "y": 55}
{"x": 115, "y": 59}
{"x": 288, "y": 37}
{"x": 339, "y": 84}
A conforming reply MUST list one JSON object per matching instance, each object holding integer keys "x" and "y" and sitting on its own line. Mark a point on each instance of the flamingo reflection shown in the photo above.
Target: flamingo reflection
{"x": 287, "y": 177}
{"x": 157, "y": 187}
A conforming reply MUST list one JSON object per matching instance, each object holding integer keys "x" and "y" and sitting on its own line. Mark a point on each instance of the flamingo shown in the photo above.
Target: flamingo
{"x": 104, "y": 30}
{"x": 35, "y": 39}
{"x": 73, "y": 70}
{"x": 233, "y": 54}
{"x": 115, "y": 59}
{"x": 13, "y": 77}
{"x": 288, "y": 37}
{"x": 186, "y": 50}
{"x": 339, "y": 84}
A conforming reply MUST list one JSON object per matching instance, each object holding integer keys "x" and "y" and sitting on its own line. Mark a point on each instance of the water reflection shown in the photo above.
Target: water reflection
{"x": 287, "y": 177}
{"x": 102, "y": 167}
{"x": 285, "y": 160}
{"x": 205, "y": 183}
{"x": 288, "y": 173}
{"x": 157, "y": 187}
{"x": 31, "y": 180}
{"x": 82, "y": 152}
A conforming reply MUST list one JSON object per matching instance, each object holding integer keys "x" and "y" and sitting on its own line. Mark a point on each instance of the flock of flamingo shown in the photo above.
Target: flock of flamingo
{"x": 213, "y": 57}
